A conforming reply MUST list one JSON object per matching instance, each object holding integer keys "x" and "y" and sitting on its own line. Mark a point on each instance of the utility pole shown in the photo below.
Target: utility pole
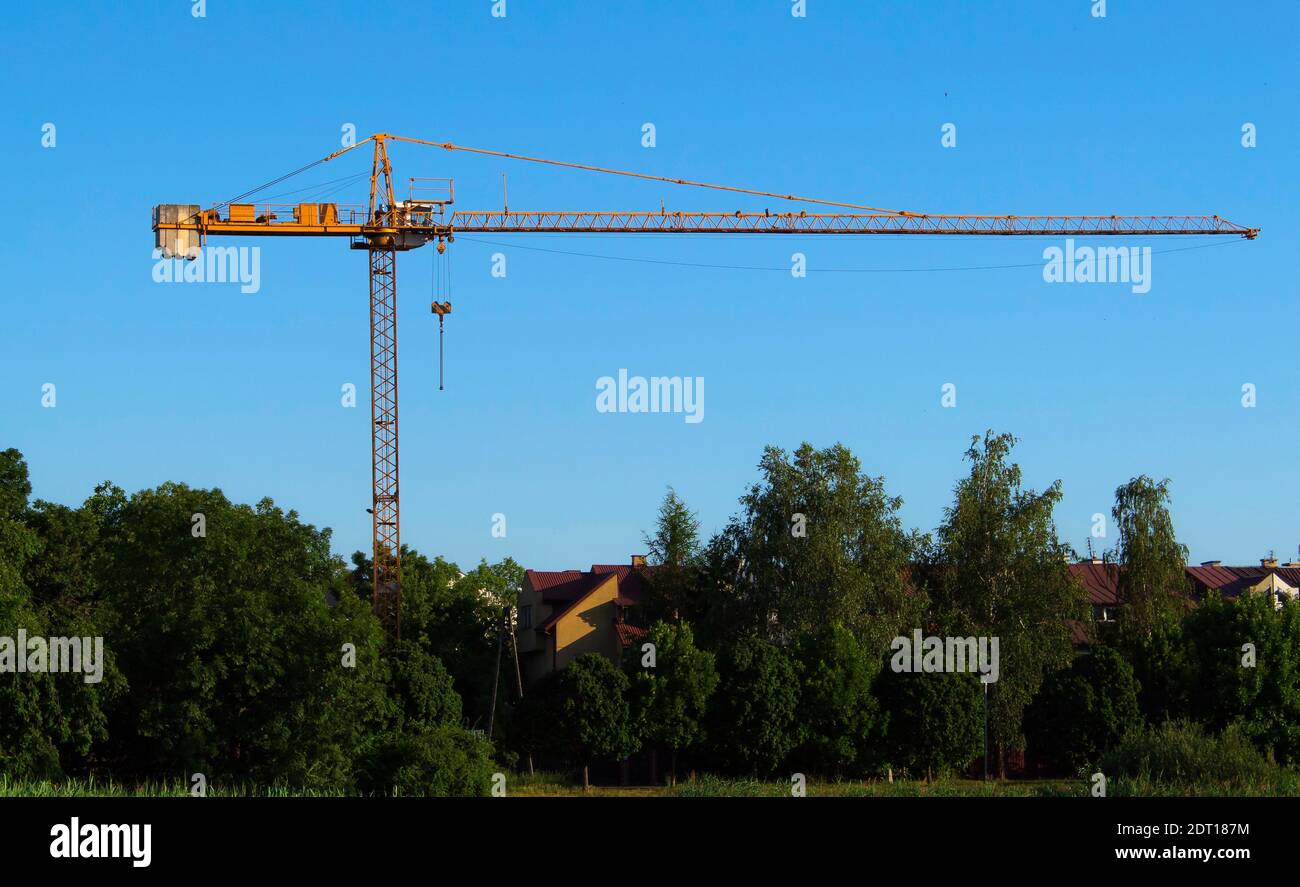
{"x": 986, "y": 731}
{"x": 519, "y": 684}
{"x": 496, "y": 674}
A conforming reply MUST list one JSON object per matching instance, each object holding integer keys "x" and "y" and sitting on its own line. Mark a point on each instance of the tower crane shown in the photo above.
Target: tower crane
{"x": 387, "y": 226}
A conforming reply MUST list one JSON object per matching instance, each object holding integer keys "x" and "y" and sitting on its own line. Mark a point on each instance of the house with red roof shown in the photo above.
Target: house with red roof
{"x": 566, "y": 613}
{"x": 1101, "y": 581}
{"x": 1278, "y": 582}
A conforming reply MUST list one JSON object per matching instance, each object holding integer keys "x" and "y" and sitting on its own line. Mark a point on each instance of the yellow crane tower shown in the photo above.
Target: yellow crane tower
{"x": 387, "y": 226}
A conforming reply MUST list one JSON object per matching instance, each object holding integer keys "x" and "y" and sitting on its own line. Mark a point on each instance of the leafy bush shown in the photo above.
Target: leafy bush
{"x": 443, "y": 762}
{"x": 840, "y": 715}
{"x": 936, "y": 720}
{"x": 1264, "y": 698}
{"x": 579, "y": 714}
{"x": 1083, "y": 711}
{"x": 1183, "y": 754}
{"x": 670, "y": 699}
{"x": 420, "y": 688}
{"x": 753, "y": 723}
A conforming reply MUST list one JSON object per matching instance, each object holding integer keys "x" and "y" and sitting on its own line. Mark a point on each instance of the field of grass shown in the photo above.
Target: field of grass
{"x": 707, "y": 786}
{"x": 553, "y": 785}
{"x": 91, "y": 788}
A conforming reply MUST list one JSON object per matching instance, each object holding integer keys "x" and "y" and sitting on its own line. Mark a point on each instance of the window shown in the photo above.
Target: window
{"x": 525, "y": 617}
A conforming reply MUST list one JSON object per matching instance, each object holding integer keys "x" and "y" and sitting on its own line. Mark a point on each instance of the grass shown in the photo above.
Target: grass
{"x": 1181, "y": 759}
{"x": 706, "y": 786}
{"x": 99, "y": 788}
{"x": 713, "y": 786}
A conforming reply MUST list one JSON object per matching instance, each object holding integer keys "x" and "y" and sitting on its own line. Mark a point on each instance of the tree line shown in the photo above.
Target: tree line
{"x": 248, "y": 652}
{"x": 237, "y": 646}
{"x": 771, "y": 641}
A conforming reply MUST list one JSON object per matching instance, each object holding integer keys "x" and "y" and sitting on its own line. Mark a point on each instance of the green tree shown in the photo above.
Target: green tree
{"x": 487, "y": 676}
{"x": 753, "y": 723}
{"x": 676, "y": 540}
{"x": 1153, "y": 586}
{"x": 581, "y": 713}
{"x": 670, "y": 699}
{"x": 238, "y": 665}
{"x": 47, "y": 588}
{"x": 999, "y": 571}
{"x": 1256, "y": 687}
{"x": 420, "y": 688}
{"x": 674, "y": 551}
{"x": 1165, "y": 673}
{"x": 31, "y": 723}
{"x": 1083, "y": 711}
{"x": 15, "y": 485}
{"x": 936, "y": 720}
{"x": 65, "y": 591}
{"x": 837, "y": 710}
{"x": 250, "y": 650}
{"x": 817, "y": 541}
{"x": 454, "y": 617}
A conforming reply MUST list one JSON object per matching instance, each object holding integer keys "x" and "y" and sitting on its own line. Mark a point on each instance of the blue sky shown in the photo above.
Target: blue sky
{"x": 1056, "y": 111}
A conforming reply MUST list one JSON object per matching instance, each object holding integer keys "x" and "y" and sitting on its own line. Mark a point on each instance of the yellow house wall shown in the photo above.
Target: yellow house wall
{"x": 589, "y": 627}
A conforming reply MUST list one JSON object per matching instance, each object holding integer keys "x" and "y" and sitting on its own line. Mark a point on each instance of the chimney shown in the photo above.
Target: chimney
{"x": 1268, "y": 562}
{"x": 1095, "y": 560}
{"x": 638, "y": 560}
{"x": 1211, "y": 563}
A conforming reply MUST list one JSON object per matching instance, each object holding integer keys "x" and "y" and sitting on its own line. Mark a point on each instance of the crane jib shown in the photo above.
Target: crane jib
{"x": 181, "y": 226}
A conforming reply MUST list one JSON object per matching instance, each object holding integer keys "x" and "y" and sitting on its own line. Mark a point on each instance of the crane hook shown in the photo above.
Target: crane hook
{"x": 442, "y": 309}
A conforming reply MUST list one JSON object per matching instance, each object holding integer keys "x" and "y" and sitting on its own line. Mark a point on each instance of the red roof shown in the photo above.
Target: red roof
{"x": 1100, "y": 580}
{"x": 1214, "y": 577}
{"x": 628, "y": 634}
{"x": 631, "y": 581}
{"x": 594, "y": 582}
{"x": 1231, "y": 581}
{"x": 559, "y": 586}
{"x": 542, "y": 579}
{"x": 565, "y": 588}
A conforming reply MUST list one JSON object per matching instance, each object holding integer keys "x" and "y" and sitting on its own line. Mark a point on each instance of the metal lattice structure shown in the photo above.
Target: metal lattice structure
{"x": 386, "y": 226}
{"x": 387, "y": 553}
{"x": 833, "y": 223}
